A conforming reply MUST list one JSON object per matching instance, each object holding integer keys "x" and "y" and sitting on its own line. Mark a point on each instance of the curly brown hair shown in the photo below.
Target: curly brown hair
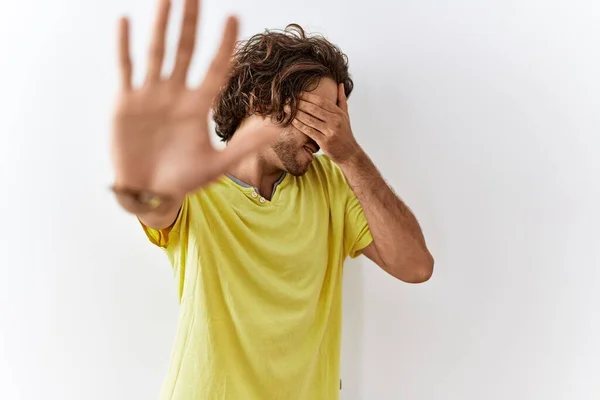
{"x": 270, "y": 70}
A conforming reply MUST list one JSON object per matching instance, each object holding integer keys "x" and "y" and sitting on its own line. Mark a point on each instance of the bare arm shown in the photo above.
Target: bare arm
{"x": 161, "y": 148}
{"x": 161, "y": 216}
{"x": 398, "y": 243}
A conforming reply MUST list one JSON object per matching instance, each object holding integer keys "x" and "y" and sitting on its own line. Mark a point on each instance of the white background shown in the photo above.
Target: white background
{"x": 484, "y": 116}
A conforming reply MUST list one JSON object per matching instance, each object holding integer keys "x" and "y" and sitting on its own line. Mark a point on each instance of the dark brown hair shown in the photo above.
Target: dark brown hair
{"x": 270, "y": 70}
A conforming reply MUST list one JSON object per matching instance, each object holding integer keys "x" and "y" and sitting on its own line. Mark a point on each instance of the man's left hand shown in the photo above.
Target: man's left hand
{"x": 327, "y": 124}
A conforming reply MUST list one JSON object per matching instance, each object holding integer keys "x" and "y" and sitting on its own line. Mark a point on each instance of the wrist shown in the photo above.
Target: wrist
{"x": 361, "y": 174}
{"x": 354, "y": 158}
{"x": 138, "y": 201}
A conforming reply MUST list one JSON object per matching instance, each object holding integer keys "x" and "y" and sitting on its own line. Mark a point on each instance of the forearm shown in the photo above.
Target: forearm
{"x": 396, "y": 233}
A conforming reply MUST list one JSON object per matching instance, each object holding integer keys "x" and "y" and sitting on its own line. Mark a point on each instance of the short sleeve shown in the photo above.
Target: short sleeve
{"x": 165, "y": 237}
{"x": 357, "y": 234}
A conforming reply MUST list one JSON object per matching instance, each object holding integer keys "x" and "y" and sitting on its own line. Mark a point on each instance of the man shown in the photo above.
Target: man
{"x": 257, "y": 233}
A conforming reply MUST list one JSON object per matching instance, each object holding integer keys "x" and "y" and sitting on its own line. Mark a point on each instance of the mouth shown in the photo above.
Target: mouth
{"x": 310, "y": 150}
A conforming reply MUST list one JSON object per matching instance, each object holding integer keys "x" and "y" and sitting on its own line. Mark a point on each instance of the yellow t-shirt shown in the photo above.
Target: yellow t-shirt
{"x": 260, "y": 287}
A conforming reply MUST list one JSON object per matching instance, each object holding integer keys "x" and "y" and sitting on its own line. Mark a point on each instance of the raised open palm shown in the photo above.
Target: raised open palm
{"x": 160, "y": 139}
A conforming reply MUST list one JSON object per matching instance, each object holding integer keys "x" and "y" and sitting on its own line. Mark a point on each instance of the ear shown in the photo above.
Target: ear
{"x": 342, "y": 100}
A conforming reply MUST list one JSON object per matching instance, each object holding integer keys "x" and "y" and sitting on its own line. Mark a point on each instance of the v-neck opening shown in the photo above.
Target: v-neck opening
{"x": 249, "y": 189}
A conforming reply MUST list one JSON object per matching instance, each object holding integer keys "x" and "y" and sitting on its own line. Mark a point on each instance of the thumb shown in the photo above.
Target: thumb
{"x": 237, "y": 150}
{"x": 342, "y": 99}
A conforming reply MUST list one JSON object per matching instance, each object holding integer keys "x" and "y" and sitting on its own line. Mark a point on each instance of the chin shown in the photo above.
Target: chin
{"x": 294, "y": 159}
{"x": 297, "y": 167}
{"x": 298, "y": 171}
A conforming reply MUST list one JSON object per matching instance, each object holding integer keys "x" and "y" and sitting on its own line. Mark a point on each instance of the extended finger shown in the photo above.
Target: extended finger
{"x": 342, "y": 99}
{"x": 187, "y": 40}
{"x": 125, "y": 66}
{"x": 157, "y": 46}
{"x": 220, "y": 64}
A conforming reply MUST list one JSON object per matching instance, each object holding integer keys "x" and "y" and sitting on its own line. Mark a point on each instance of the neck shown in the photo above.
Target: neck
{"x": 258, "y": 172}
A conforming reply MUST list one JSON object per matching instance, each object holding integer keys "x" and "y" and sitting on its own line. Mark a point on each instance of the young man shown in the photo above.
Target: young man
{"x": 257, "y": 234}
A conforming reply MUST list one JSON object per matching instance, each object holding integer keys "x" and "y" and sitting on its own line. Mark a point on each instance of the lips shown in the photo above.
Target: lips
{"x": 311, "y": 148}
{"x": 309, "y": 151}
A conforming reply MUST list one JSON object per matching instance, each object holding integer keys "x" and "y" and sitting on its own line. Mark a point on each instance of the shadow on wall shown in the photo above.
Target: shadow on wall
{"x": 352, "y": 330}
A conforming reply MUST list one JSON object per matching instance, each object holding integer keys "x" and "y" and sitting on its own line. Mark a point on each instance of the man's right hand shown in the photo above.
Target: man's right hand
{"x": 160, "y": 140}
